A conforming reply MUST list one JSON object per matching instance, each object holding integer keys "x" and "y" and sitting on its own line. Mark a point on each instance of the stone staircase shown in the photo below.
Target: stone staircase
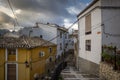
{"x": 71, "y": 73}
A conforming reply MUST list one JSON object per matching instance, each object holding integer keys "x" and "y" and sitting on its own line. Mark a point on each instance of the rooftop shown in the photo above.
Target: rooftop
{"x": 52, "y": 25}
{"x": 23, "y": 42}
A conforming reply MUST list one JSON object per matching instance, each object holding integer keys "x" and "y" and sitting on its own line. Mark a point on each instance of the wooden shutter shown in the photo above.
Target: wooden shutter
{"x": 11, "y": 72}
{"x": 88, "y": 24}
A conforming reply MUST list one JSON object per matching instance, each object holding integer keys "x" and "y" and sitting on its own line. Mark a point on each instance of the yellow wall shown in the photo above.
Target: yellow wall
{"x": 2, "y": 66}
{"x": 23, "y": 71}
{"x": 37, "y": 64}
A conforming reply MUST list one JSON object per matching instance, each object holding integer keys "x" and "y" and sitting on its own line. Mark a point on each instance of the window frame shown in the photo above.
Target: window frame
{"x": 16, "y": 54}
{"x": 50, "y": 49}
{"x": 41, "y": 36}
{"x": 88, "y": 45}
{"x": 41, "y": 54}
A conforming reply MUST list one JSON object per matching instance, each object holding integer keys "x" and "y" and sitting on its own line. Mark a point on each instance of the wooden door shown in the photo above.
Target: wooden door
{"x": 11, "y": 71}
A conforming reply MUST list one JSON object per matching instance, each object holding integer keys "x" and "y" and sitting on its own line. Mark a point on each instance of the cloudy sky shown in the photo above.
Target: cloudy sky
{"x": 28, "y": 12}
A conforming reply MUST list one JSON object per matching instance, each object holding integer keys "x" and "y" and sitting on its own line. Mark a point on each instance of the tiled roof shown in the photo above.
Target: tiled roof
{"x": 23, "y": 42}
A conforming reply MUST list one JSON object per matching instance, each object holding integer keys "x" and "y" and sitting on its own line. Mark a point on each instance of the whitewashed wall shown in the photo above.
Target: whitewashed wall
{"x": 66, "y": 41}
{"x": 48, "y": 32}
{"x": 95, "y": 54}
{"x": 71, "y": 44}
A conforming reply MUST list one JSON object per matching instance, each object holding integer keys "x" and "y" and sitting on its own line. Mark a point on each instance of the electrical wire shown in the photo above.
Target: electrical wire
{"x": 101, "y": 24}
{"x": 94, "y": 27}
{"x": 69, "y": 26}
{"x": 10, "y": 5}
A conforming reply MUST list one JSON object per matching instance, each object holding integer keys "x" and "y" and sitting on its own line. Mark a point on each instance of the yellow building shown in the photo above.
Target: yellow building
{"x": 25, "y": 58}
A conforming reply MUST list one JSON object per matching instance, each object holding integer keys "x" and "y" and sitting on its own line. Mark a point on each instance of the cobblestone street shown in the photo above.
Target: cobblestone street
{"x": 71, "y": 73}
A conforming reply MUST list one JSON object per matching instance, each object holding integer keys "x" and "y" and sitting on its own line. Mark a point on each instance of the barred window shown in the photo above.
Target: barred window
{"x": 88, "y": 45}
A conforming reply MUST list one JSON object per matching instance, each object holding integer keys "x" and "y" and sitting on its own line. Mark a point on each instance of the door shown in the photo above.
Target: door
{"x": 11, "y": 71}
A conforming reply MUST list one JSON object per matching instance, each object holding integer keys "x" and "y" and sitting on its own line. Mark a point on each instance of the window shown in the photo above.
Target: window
{"x": 11, "y": 72}
{"x": 41, "y": 36}
{"x": 41, "y": 54}
{"x": 50, "y": 59}
{"x": 88, "y": 24}
{"x": 60, "y": 46}
{"x": 60, "y": 34}
{"x": 88, "y": 45}
{"x": 65, "y": 36}
{"x": 50, "y": 50}
{"x": 11, "y": 53}
{"x": 66, "y": 45}
{"x": 72, "y": 43}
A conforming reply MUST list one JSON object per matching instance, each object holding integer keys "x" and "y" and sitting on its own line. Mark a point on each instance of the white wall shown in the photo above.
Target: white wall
{"x": 71, "y": 43}
{"x": 48, "y": 32}
{"x": 95, "y": 54}
{"x": 59, "y": 40}
{"x": 63, "y": 41}
{"x": 111, "y": 21}
{"x": 66, "y": 41}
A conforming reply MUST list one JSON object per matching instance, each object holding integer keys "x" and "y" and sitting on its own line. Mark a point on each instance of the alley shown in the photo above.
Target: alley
{"x": 71, "y": 73}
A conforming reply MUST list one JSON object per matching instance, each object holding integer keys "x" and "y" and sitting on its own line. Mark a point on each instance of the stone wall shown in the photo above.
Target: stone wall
{"x": 107, "y": 72}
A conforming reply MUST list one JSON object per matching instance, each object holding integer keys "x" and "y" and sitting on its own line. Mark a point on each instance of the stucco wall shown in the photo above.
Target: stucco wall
{"x": 37, "y": 64}
{"x": 110, "y": 19}
{"x": 23, "y": 71}
{"x": 95, "y": 54}
{"x": 2, "y": 66}
{"x": 110, "y": 2}
{"x": 48, "y": 32}
{"x": 88, "y": 67}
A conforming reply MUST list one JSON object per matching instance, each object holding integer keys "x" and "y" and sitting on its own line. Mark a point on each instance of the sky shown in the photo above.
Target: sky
{"x": 28, "y": 12}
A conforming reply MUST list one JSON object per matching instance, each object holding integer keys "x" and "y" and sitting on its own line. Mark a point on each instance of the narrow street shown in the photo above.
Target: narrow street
{"x": 71, "y": 73}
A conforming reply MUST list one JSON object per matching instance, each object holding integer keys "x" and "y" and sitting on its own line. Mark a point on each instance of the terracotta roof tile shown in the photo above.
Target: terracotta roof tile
{"x": 23, "y": 42}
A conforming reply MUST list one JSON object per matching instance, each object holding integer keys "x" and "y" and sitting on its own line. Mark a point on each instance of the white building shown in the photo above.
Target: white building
{"x": 49, "y": 32}
{"x": 73, "y": 38}
{"x": 73, "y": 45}
{"x": 98, "y": 25}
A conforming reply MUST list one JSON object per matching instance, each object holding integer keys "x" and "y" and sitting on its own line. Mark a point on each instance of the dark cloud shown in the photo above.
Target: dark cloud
{"x": 54, "y": 11}
{"x": 55, "y": 7}
{"x": 4, "y": 18}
